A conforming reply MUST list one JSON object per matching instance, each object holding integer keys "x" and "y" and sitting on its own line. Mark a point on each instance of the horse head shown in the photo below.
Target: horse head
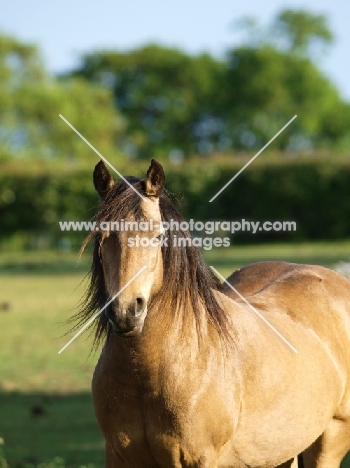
{"x": 130, "y": 256}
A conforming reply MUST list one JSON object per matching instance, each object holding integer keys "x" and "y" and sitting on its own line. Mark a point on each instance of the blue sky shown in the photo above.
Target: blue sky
{"x": 65, "y": 29}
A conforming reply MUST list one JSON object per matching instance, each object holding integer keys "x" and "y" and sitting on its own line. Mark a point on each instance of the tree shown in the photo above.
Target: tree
{"x": 272, "y": 77}
{"x": 296, "y": 32}
{"x": 32, "y": 101}
{"x": 265, "y": 87}
{"x": 174, "y": 102}
{"x": 301, "y": 32}
{"x": 166, "y": 96}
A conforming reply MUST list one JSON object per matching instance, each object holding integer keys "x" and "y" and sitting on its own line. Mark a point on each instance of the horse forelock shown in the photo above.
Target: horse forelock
{"x": 188, "y": 283}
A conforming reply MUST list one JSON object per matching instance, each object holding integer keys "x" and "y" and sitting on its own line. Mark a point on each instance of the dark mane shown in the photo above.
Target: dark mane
{"x": 187, "y": 279}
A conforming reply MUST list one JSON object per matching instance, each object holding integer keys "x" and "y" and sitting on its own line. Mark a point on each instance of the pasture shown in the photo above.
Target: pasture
{"x": 45, "y": 404}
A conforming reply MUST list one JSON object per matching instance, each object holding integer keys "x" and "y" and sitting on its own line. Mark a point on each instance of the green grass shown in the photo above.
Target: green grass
{"x": 34, "y": 377}
{"x": 32, "y": 332}
{"x": 49, "y": 262}
{"x": 45, "y": 400}
{"x": 37, "y": 427}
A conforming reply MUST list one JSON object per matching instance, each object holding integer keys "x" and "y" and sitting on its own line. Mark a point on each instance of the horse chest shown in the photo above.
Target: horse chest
{"x": 178, "y": 423}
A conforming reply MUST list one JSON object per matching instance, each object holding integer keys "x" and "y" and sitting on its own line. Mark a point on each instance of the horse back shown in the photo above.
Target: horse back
{"x": 315, "y": 297}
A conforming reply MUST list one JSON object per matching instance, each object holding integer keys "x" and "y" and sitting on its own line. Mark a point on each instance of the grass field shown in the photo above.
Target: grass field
{"x": 45, "y": 403}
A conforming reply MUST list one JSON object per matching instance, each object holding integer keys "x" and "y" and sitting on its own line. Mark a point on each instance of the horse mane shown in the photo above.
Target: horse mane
{"x": 188, "y": 283}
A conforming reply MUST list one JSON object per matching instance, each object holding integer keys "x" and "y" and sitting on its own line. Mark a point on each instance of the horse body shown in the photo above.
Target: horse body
{"x": 315, "y": 301}
{"x": 237, "y": 411}
{"x": 182, "y": 389}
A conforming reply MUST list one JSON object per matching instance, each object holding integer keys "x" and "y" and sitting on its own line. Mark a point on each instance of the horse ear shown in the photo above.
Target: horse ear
{"x": 103, "y": 181}
{"x": 155, "y": 180}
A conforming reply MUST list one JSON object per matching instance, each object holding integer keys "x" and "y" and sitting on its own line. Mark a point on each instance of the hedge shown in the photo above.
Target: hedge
{"x": 315, "y": 195}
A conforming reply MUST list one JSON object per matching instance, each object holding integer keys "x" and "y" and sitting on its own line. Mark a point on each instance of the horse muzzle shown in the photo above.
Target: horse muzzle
{"x": 127, "y": 320}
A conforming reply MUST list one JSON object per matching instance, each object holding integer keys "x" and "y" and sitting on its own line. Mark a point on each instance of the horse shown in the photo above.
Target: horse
{"x": 188, "y": 376}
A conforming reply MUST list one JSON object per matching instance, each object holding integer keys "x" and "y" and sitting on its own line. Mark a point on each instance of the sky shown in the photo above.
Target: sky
{"x": 66, "y": 29}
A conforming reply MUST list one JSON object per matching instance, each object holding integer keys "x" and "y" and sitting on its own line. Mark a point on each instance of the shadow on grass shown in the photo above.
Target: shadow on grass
{"x": 346, "y": 462}
{"x": 36, "y": 428}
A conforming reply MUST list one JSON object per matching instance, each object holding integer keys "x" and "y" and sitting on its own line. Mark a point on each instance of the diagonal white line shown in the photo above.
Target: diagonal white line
{"x": 101, "y": 310}
{"x": 254, "y": 157}
{"x": 102, "y": 157}
{"x": 255, "y": 311}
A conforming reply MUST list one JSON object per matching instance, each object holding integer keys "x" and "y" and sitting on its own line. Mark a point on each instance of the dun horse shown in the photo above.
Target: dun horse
{"x": 188, "y": 375}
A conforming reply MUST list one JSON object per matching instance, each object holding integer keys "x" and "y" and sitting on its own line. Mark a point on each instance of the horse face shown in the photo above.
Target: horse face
{"x": 132, "y": 262}
{"x": 133, "y": 266}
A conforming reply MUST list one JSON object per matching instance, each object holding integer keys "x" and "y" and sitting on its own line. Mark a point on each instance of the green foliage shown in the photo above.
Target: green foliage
{"x": 315, "y": 195}
{"x": 271, "y": 77}
{"x": 281, "y": 85}
{"x": 296, "y": 32}
{"x": 32, "y": 101}
{"x": 164, "y": 93}
{"x": 301, "y": 31}
{"x": 178, "y": 104}
{"x": 160, "y": 102}
{"x": 34, "y": 203}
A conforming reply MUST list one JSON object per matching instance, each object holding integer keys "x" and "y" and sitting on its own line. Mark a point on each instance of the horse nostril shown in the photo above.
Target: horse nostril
{"x": 140, "y": 304}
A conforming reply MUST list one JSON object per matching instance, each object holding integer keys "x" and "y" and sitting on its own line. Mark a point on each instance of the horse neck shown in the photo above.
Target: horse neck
{"x": 168, "y": 349}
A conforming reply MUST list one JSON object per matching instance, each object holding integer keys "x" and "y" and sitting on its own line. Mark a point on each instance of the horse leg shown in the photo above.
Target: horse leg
{"x": 114, "y": 460}
{"x": 330, "y": 448}
{"x": 292, "y": 463}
